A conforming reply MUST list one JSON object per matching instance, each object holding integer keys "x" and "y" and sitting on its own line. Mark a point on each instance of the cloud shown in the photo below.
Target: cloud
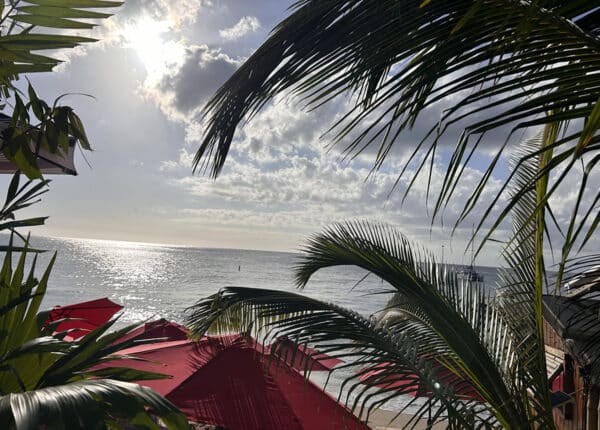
{"x": 186, "y": 88}
{"x": 180, "y": 73}
{"x": 566, "y": 197}
{"x": 279, "y": 177}
{"x": 245, "y": 25}
{"x": 178, "y": 13}
{"x": 171, "y": 16}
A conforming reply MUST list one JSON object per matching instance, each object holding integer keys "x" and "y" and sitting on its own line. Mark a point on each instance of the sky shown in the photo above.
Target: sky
{"x": 156, "y": 64}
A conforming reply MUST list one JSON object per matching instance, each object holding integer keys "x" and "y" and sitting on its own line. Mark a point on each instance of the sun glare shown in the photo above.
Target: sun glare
{"x": 150, "y": 40}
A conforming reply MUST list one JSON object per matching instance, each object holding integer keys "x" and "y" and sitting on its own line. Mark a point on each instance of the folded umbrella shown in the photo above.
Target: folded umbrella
{"x": 81, "y": 318}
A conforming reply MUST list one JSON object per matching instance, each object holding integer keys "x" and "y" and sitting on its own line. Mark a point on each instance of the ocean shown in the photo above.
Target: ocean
{"x": 158, "y": 281}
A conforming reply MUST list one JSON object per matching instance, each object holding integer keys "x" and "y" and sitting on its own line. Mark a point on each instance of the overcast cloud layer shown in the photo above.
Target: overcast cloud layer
{"x": 158, "y": 62}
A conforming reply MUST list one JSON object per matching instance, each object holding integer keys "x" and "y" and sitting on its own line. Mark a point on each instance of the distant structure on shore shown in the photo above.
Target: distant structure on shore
{"x": 468, "y": 273}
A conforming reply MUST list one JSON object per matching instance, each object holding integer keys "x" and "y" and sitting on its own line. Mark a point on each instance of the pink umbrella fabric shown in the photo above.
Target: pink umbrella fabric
{"x": 227, "y": 381}
{"x": 87, "y": 316}
{"x": 375, "y": 376}
{"x": 301, "y": 357}
{"x": 160, "y": 328}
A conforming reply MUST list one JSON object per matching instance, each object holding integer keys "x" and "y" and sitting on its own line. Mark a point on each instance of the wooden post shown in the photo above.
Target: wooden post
{"x": 569, "y": 385}
{"x": 592, "y": 409}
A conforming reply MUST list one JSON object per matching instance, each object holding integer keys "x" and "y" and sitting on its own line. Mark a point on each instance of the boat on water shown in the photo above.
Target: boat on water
{"x": 468, "y": 273}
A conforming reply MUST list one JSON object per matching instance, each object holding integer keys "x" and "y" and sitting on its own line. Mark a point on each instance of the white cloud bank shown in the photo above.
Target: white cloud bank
{"x": 279, "y": 180}
{"x": 248, "y": 24}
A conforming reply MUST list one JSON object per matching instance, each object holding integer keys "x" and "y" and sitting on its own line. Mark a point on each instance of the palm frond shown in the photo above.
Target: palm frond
{"x": 29, "y": 27}
{"x": 99, "y": 346}
{"x": 16, "y": 282}
{"x": 473, "y": 334}
{"x": 523, "y": 281}
{"x": 342, "y": 333}
{"x": 439, "y": 316}
{"x": 20, "y": 197}
{"x": 48, "y": 382}
{"x": 88, "y": 405}
{"x": 510, "y": 65}
{"x": 425, "y": 41}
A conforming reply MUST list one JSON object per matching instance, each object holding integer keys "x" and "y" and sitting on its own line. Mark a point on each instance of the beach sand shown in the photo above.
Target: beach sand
{"x": 388, "y": 420}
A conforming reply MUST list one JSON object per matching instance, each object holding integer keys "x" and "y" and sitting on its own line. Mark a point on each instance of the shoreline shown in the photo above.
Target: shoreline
{"x": 382, "y": 419}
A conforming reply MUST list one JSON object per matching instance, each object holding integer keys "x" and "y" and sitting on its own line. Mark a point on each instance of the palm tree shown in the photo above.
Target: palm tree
{"x": 514, "y": 66}
{"x": 511, "y": 65}
{"x": 493, "y": 344}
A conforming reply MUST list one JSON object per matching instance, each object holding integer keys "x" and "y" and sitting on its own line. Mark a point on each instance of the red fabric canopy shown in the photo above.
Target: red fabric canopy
{"x": 462, "y": 387}
{"x": 88, "y": 316}
{"x": 226, "y": 381}
{"x": 557, "y": 383}
{"x": 301, "y": 357}
{"x": 160, "y": 328}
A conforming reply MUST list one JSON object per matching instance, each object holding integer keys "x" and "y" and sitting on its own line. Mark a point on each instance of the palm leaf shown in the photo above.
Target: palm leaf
{"x": 338, "y": 332}
{"x": 33, "y": 19}
{"x": 506, "y": 62}
{"x": 433, "y": 314}
{"x": 97, "y": 347}
{"x": 87, "y": 405}
{"x": 523, "y": 282}
{"x": 45, "y": 381}
{"x": 473, "y": 334}
{"x": 20, "y": 197}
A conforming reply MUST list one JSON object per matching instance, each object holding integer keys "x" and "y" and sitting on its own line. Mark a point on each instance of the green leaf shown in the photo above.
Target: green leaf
{"x": 17, "y": 69}
{"x": 18, "y": 152}
{"x": 12, "y": 188}
{"x": 51, "y": 22}
{"x": 86, "y": 404}
{"x": 62, "y": 12}
{"x": 36, "y": 104}
{"x": 30, "y": 222}
{"x": 76, "y": 3}
{"x": 29, "y": 41}
{"x": 471, "y": 13}
{"x": 78, "y": 131}
{"x": 124, "y": 374}
{"x": 589, "y": 130}
{"x": 26, "y": 57}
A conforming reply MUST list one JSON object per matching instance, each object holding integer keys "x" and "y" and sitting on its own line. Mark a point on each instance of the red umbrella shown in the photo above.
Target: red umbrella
{"x": 87, "y": 316}
{"x": 227, "y": 381}
{"x": 376, "y": 376}
{"x": 301, "y": 357}
{"x": 160, "y": 328}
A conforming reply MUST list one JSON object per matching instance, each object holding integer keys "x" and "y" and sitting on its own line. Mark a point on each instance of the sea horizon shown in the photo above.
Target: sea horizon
{"x": 124, "y": 242}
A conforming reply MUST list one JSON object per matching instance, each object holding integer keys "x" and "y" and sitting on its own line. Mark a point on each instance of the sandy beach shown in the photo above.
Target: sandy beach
{"x": 381, "y": 419}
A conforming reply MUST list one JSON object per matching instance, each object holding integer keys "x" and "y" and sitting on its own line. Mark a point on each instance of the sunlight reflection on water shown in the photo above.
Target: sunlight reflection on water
{"x": 153, "y": 281}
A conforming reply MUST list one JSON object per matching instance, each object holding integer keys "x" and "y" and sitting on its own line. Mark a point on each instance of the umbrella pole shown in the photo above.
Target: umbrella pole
{"x": 429, "y": 420}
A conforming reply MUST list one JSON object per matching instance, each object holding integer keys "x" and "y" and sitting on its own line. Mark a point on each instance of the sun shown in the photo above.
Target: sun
{"x": 153, "y": 42}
